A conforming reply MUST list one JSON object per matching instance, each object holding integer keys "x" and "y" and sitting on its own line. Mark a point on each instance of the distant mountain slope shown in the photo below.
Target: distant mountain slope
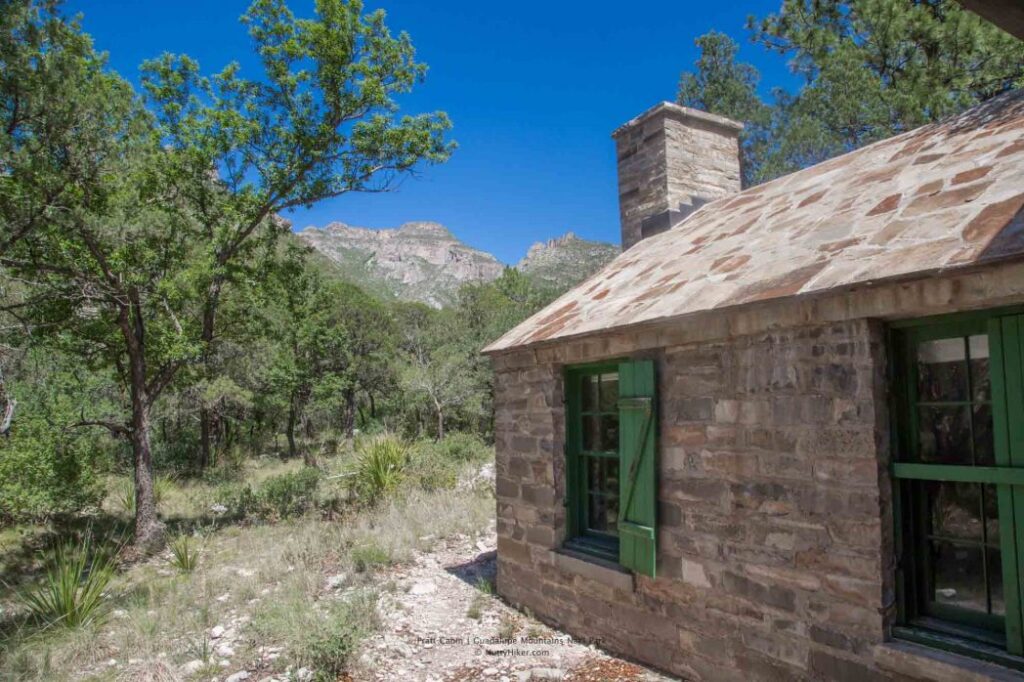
{"x": 423, "y": 261}
{"x": 566, "y": 261}
{"x": 419, "y": 261}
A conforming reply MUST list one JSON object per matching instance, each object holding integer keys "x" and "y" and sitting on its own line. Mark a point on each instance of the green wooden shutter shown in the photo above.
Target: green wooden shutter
{"x": 638, "y": 428}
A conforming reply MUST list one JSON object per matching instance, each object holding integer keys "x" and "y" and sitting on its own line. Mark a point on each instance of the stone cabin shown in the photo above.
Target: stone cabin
{"x": 781, "y": 436}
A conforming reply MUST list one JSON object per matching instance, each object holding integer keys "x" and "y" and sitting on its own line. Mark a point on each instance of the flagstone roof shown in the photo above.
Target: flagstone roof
{"x": 945, "y": 196}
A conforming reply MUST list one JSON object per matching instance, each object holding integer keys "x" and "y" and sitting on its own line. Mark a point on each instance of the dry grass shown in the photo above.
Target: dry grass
{"x": 268, "y": 582}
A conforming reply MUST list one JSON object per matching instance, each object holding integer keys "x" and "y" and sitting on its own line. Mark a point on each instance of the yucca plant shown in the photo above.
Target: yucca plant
{"x": 185, "y": 553}
{"x": 381, "y": 463}
{"x": 72, "y": 591}
{"x": 125, "y": 493}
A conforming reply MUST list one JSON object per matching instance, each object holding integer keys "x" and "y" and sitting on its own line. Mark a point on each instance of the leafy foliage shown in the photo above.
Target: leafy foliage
{"x": 278, "y": 497}
{"x": 870, "y": 69}
{"x": 138, "y": 228}
{"x": 330, "y": 643}
{"x": 368, "y": 556}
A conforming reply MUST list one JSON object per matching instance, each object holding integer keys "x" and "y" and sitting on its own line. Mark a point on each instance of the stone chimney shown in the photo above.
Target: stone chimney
{"x": 673, "y": 159}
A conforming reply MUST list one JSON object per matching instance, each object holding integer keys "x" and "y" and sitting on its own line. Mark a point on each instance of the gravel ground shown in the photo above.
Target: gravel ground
{"x": 443, "y": 623}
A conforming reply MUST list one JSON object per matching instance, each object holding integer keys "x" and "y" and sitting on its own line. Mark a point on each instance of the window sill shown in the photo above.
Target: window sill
{"x": 909, "y": 656}
{"x": 592, "y": 568}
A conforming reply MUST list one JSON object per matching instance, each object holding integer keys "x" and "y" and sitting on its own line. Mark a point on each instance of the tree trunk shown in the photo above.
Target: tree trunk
{"x": 290, "y": 430}
{"x": 348, "y": 417}
{"x": 149, "y": 531}
{"x": 440, "y": 421}
{"x": 206, "y": 416}
{"x": 205, "y": 446}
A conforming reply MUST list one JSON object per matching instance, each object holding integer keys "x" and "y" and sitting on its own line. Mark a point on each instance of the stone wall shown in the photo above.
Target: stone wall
{"x": 775, "y": 540}
{"x": 772, "y": 527}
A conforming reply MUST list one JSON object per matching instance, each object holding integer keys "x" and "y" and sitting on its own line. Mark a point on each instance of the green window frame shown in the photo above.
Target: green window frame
{"x": 611, "y": 450}
{"x": 958, "y": 468}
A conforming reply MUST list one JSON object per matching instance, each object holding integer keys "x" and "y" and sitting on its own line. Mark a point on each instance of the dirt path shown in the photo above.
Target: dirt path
{"x": 443, "y": 623}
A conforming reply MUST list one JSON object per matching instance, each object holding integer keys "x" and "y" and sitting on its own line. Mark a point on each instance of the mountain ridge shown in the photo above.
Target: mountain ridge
{"x": 423, "y": 261}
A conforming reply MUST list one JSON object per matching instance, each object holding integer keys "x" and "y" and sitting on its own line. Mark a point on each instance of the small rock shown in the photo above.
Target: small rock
{"x": 544, "y": 674}
{"x": 225, "y": 651}
{"x": 336, "y": 581}
{"x": 216, "y": 632}
{"x": 303, "y": 674}
{"x": 223, "y": 662}
{"x": 112, "y": 662}
{"x": 224, "y": 597}
{"x": 245, "y": 572}
{"x": 238, "y": 677}
{"x": 192, "y": 667}
{"x": 490, "y": 672}
{"x": 423, "y": 588}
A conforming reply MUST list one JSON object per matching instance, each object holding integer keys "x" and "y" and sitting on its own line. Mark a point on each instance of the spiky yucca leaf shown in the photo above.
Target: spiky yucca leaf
{"x": 381, "y": 464}
{"x": 72, "y": 591}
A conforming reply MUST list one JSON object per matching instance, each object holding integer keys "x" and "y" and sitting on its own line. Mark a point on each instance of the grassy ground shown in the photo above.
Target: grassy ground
{"x": 288, "y": 593}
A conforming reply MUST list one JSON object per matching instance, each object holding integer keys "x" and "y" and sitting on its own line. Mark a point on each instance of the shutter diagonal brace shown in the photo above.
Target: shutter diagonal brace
{"x": 634, "y": 467}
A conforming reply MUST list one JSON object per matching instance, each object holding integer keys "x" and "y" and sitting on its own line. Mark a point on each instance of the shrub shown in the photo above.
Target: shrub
{"x": 464, "y": 447}
{"x": 47, "y": 470}
{"x": 290, "y": 494}
{"x": 430, "y": 468}
{"x": 278, "y": 497}
{"x": 71, "y": 594}
{"x": 184, "y": 554}
{"x": 328, "y": 648}
{"x": 381, "y": 464}
{"x": 369, "y": 556}
{"x": 437, "y": 465}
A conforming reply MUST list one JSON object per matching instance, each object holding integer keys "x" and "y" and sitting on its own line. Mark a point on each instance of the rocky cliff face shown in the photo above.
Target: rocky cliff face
{"x": 566, "y": 261}
{"x": 423, "y": 261}
{"x": 419, "y": 261}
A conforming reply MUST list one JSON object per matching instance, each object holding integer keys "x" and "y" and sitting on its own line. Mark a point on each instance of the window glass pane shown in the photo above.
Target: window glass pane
{"x": 942, "y": 370}
{"x": 995, "y": 581}
{"x": 611, "y": 476}
{"x": 991, "y": 515}
{"x": 984, "y": 444}
{"x": 609, "y": 393}
{"x": 980, "y": 384}
{"x": 944, "y": 434}
{"x": 610, "y": 433}
{"x": 589, "y": 400}
{"x": 603, "y": 475}
{"x": 959, "y": 575}
{"x": 602, "y": 513}
{"x": 595, "y": 476}
{"x": 591, "y": 433}
{"x": 956, "y": 510}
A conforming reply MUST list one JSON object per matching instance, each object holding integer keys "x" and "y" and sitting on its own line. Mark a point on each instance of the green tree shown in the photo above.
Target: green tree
{"x": 721, "y": 85}
{"x": 164, "y": 209}
{"x": 333, "y": 342}
{"x": 875, "y": 68}
{"x": 319, "y": 123}
{"x": 870, "y": 69}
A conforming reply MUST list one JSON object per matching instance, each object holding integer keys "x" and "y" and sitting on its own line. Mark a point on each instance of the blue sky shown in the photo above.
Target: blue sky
{"x": 534, "y": 90}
